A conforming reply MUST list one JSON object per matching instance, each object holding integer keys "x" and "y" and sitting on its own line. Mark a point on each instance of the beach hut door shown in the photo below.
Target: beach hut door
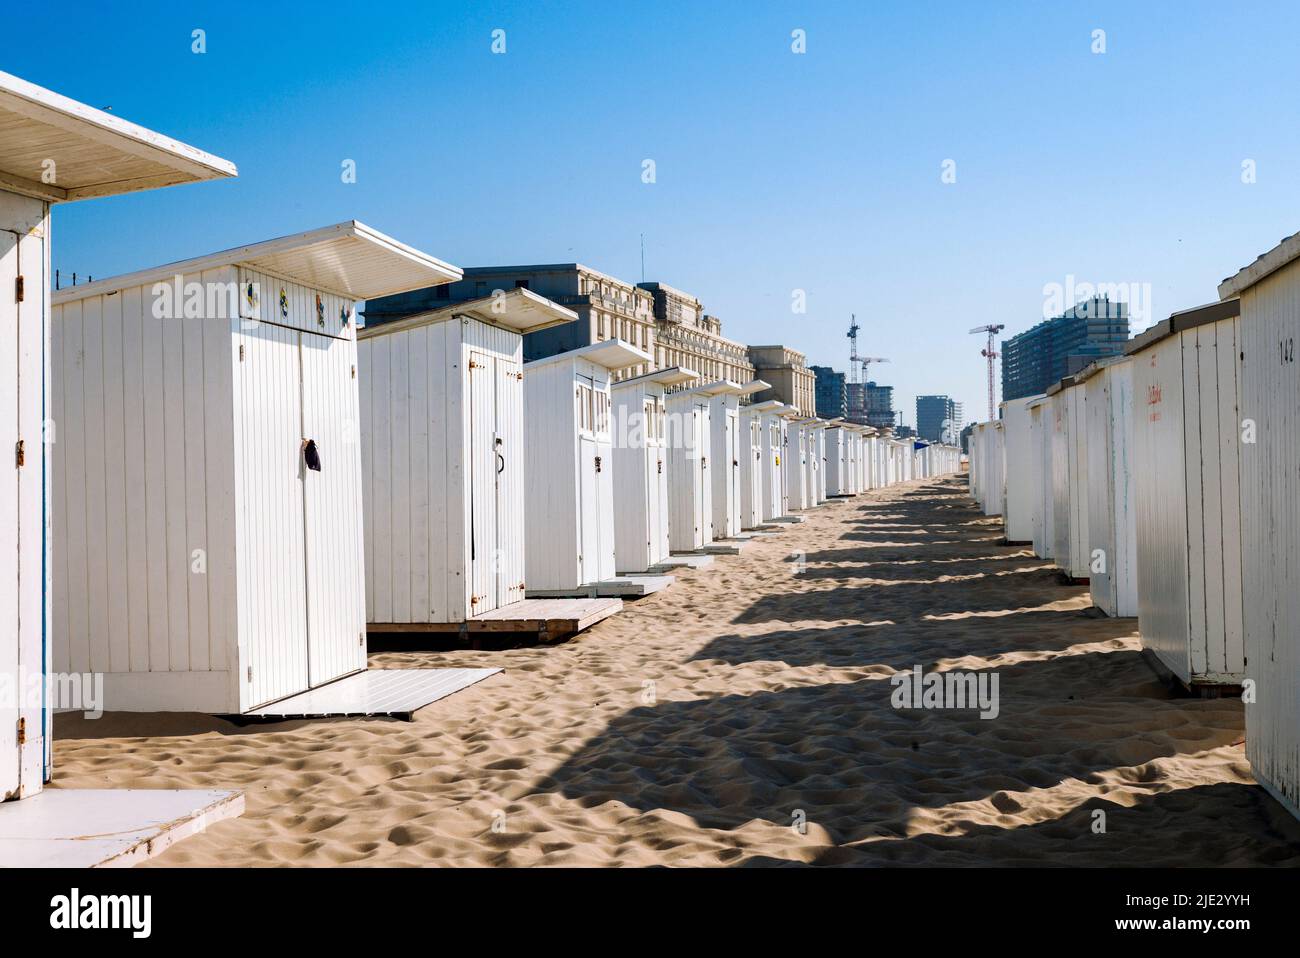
{"x": 336, "y": 613}
{"x": 508, "y": 469}
{"x": 588, "y": 517}
{"x": 11, "y": 387}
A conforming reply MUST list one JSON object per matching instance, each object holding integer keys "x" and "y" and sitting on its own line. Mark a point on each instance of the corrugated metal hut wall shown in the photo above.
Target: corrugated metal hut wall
{"x": 145, "y": 475}
{"x": 1269, "y": 330}
{"x": 25, "y": 504}
{"x": 551, "y": 520}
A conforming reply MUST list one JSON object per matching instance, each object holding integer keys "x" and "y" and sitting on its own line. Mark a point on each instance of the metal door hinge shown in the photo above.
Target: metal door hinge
{"x": 519, "y": 376}
{"x": 241, "y": 353}
{"x": 250, "y": 673}
{"x": 22, "y": 731}
{"x": 19, "y": 290}
{"x": 361, "y": 638}
{"x": 474, "y": 365}
{"x": 354, "y": 372}
{"x": 598, "y": 463}
{"x": 20, "y": 453}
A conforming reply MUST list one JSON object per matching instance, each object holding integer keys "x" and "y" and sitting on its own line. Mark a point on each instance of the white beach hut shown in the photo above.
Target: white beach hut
{"x": 216, "y": 400}
{"x": 569, "y": 506}
{"x": 727, "y": 443}
{"x": 1022, "y": 462}
{"x": 1186, "y": 440}
{"x": 772, "y": 422}
{"x": 442, "y": 442}
{"x": 1269, "y": 395}
{"x": 1043, "y": 502}
{"x": 1112, "y": 522}
{"x": 55, "y": 150}
{"x": 690, "y": 481}
{"x": 841, "y": 461}
{"x": 795, "y": 465}
{"x": 640, "y": 466}
{"x": 1069, "y": 479}
{"x": 753, "y": 423}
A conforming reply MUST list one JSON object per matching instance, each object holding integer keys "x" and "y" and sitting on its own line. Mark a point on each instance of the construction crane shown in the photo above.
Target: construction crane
{"x": 990, "y": 354}
{"x": 859, "y": 374}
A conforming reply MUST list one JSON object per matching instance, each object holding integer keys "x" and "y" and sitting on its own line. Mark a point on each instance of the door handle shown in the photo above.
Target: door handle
{"x": 311, "y": 454}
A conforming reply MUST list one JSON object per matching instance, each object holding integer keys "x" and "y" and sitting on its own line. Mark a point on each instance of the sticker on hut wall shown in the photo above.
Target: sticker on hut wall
{"x": 320, "y": 311}
{"x": 251, "y": 298}
{"x": 284, "y": 303}
{"x": 345, "y": 316}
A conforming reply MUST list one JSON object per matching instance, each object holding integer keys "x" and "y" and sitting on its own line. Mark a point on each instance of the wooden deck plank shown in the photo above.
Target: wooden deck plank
{"x": 554, "y": 616}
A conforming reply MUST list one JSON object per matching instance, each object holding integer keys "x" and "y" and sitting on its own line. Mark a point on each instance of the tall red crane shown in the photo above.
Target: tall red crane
{"x": 989, "y": 353}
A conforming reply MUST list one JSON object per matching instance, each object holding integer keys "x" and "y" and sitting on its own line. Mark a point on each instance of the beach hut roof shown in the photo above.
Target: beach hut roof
{"x": 1279, "y": 256}
{"x": 94, "y": 153}
{"x": 672, "y": 376}
{"x": 520, "y": 310}
{"x": 1097, "y": 365}
{"x": 1186, "y": 319}
{"x": 767, "y": 405}
{"x": 613, "y": 354}
{"x": 348, "y": 259}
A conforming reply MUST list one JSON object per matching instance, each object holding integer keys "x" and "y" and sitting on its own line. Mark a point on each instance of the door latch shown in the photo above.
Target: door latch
{"x": 19, "y": 290}
{"x": 598, "y": 463}
{"x": 22, "y": 731}
{"x": 20, "y": 453}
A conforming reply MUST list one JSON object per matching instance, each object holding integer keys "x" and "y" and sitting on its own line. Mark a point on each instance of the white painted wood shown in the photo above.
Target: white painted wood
{"x": 1108, "y": 398}
{"x": 795, "y": 470}
{"x": 569, "y": 501}
{"x": 206, "y": 567}
{"x": 1022, "y": 462}
{"x": 1269, "y": 492}
{"x": 724, "y": 438}
{"x": 640, "y": 469}
{"x": 442, "y": 433}
{"x": 399, "y": 693}
{"x": 690, "y": 480}
{"x": 1188, "y": 508}
{"x": 753, "y": 466}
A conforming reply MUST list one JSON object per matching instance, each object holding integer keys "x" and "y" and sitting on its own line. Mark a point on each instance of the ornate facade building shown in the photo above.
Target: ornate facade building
{"x": 607, "y": 307}
{"x": 787, "y": 371}
{"x": 686, "y": 336}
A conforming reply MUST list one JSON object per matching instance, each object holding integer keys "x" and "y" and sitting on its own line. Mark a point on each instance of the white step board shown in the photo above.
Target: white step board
{"x": 684, "y": 560}
{"x": 95, "y": 827}
{"x": 395, "y": 692}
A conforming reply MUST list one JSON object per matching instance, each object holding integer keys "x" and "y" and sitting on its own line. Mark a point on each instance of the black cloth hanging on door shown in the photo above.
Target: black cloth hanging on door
{"x": 311, "y": 455}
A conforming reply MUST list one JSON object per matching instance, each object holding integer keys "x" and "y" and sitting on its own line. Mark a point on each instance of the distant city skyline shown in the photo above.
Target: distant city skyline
{"x": 927, "y": 168}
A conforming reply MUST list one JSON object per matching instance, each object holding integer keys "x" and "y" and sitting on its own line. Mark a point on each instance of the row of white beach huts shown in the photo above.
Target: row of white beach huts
{"x": 223, "y": 481}
{"x": 1169, "y": 479}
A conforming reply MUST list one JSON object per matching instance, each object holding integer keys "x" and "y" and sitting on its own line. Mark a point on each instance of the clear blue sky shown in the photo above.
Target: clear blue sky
{"x": 775, "y": 171}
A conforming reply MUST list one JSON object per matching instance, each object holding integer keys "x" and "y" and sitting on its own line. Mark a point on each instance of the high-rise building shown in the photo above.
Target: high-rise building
{"x": 831, "y": 393}
{"x": 938, "y": 418}
{"x": 1058, "y": 347}
{"x": 871, "y": 404}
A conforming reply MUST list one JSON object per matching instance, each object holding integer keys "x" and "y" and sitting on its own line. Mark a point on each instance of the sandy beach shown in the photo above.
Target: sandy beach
{"x": 702, "y": 725}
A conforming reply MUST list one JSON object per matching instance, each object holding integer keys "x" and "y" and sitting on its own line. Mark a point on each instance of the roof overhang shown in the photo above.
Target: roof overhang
{"x": 348, "y": 259}
{"x": 613, "y": 354}
{"x": 519, "y": 310}
{"x": 672, "y": 376}
{"x": 717, "y": 388}
{"x": 93, "y": 153}
{"x": 1097, "y": 365}
{"x": 767, "y": 405}
{"x": 1183, "y": 320}
{"x": 757, "y": 386}
{"x": 1275, "y": 259}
